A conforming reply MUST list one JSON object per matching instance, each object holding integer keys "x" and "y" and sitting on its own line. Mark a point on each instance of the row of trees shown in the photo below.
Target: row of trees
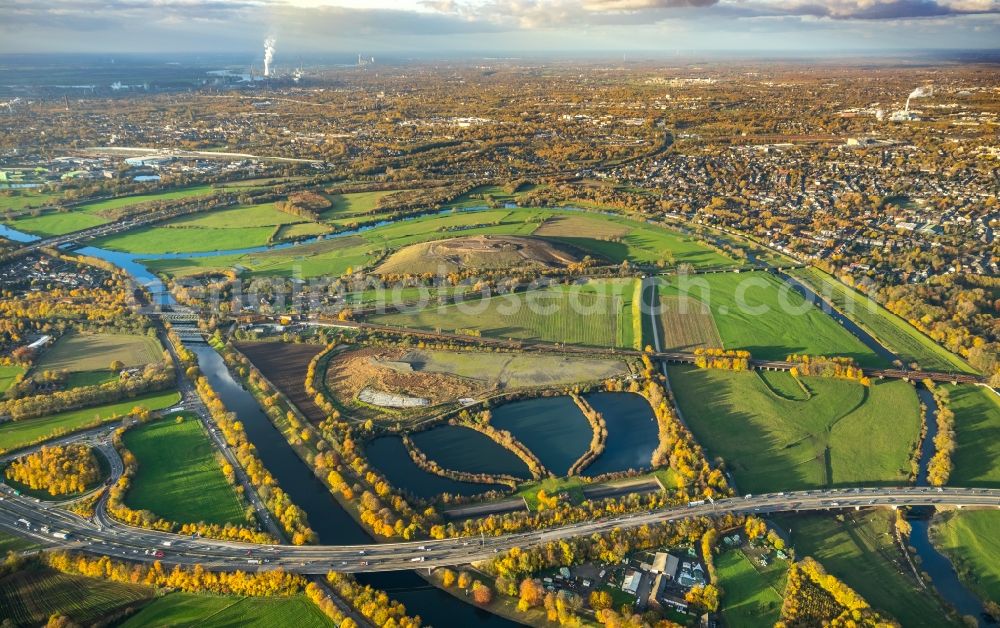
{"x": 725, "y": 359}
{"x": 676, "y": 446}
{"x": 190, "y": 579}
{"x": 291, "y": 517}
{"x": 840, "y": 367}
{"x": 373, "y": 604}
{"x": 598, "y": 439}
{"x": 58, "y": 470}
{"x": 940, "y": 465}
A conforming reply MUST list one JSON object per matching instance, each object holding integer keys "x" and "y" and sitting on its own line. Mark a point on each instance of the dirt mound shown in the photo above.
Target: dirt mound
{"x": 383, "y": 370}
{"x": 482, "y": 252}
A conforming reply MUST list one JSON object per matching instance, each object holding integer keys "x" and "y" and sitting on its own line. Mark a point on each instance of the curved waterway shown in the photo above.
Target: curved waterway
{"x": 936, "y": 564}
{"x": 331, "y": 522}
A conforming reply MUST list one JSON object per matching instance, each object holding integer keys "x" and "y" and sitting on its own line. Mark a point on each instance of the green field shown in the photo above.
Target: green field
{"x": 977, "y": 429}
{"x": 179, "y": 610}
{"x": 29, "y": 596}
{"x": 354, "y": 203}
{"x": 641, "y": 243}
{"x": 11, "y": 543}
{"x": 896, "y": 334}
{"x": 7, "y": 376}
{"x": 861, "y": 551}
{"x": 24, "y": 198}
{"x": 758, "y": 312}
{"x": 16, "y": 434}
{"x": 752, "y": 598}
{"x": 971, "y": 542}
{"x": 76, "y": 352}
{"x": 598, "y": 313}
{"x": 844, "y": 435}
{"x": 89, "y": 378}
{"x": 179, "y": 478}
{"x": 57, "y": 223}
{"x": 490, "y": 193}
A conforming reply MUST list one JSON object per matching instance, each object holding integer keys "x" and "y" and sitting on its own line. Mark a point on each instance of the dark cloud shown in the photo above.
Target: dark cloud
{"x": 879, "y": 9}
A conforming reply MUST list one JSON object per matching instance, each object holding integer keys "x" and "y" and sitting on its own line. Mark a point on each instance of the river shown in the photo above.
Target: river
{"x": 330, "y": 521}
{"x": 942, "y": 574}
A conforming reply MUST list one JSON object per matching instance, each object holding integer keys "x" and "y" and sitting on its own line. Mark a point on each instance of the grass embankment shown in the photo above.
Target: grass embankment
{"x": 77, "y": 352}
{"x": 16, "y": 434}
{"x": 758, "y": 312}
{"x": 30, "y": 596}
{"x": 971, "y": 542}
{"x": 861, "y": 551}
{"x": 179, "y": 477}
{"x": 598, "y": 313}
{"x": 895, "y": 333}
{"x": 977, "y": 431}
{"x": 753, "y": 596}
{"x": 26, "y": 198}
{"x": 11, "y": 543}
{"x": 7, "y": 376}
{"x": 843, "y": 435}
{"x": 190, "y": 610}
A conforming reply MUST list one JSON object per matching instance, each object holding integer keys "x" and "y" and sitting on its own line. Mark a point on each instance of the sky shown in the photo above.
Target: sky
{"x": 448, "y": 28}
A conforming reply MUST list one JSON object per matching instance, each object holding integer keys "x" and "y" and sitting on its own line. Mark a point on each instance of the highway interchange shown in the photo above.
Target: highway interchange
{"x": 39, "y": 520}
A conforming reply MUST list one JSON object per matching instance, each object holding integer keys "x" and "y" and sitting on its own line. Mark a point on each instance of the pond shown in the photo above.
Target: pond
{"x": 632, "y": 432}
{"x": 389, "y": 456}
{"x": 552, "y": 427}
{"x": 464, "y": 449}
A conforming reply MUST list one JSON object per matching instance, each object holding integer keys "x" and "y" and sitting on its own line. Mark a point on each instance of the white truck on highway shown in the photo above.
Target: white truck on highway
{"x": 61, "y": 534}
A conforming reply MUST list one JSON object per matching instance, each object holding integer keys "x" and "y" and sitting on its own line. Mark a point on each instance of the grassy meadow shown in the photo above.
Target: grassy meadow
{"x": 758, "y": 312}
{"x": 843, "y": 435}
{"x": 179, "y": 477}
{"x": 753, "y": 595}
{"x": 7, "y": 376}
{"x": 599, "y": 313}
{"x": 971, "y": 542}
{"x": 189, "y": 610}
{"x": 977, "y": 429}
{"x": 79, "y": 352}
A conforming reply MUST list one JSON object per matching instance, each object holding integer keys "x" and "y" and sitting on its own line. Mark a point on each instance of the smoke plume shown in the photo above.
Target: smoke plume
{"x": 268, "y": 54}
{"x": 920, "y": 92}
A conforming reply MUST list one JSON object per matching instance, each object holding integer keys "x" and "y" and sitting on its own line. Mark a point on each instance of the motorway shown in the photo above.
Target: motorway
{"x": 26, "y": 517}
